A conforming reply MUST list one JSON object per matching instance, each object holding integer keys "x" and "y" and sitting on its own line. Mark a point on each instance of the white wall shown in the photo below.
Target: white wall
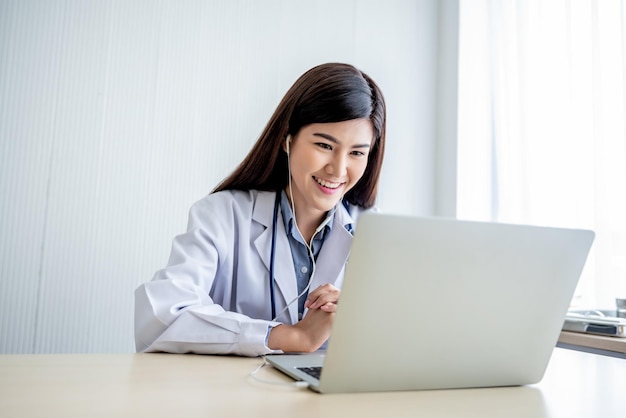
{"x": 116, "y": 115}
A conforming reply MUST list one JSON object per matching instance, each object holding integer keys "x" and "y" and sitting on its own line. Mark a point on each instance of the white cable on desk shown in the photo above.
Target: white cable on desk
{"x": 297, "y": 384}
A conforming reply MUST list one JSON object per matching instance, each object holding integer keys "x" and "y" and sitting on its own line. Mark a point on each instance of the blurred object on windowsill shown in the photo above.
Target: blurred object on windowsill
{"x": 611, "y": 323}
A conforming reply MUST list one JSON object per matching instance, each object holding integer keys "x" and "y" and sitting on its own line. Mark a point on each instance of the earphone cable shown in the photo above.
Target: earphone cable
{"x": 253, "y": 374}
{"x": 308, "y": 245}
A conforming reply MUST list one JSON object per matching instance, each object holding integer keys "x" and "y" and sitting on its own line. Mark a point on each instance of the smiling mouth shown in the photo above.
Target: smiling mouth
{"x": 327, "y": 184}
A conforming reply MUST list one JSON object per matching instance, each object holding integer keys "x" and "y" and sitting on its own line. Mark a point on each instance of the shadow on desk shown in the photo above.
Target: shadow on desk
{"x": 510, "y": 402}
{"x": 527, "y": 401}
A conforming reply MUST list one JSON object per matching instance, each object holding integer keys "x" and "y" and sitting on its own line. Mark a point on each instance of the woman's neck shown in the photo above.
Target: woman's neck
{"x": 307, "y": 229}
{"x": 306, "y": 220}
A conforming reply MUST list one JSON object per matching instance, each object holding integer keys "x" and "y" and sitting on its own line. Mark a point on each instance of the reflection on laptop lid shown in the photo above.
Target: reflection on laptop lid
{"x": 431, "y": 303}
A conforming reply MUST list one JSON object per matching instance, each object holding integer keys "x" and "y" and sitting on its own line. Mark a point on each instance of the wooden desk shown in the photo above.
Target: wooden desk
{"x": 576, "y": 384}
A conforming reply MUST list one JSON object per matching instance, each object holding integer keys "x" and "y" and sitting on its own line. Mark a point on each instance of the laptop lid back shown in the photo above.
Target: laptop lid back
{"x": 431, "y": 303}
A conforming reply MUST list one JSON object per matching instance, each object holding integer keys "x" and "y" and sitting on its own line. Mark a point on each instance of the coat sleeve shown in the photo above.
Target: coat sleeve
{"x": 174, "y": 312}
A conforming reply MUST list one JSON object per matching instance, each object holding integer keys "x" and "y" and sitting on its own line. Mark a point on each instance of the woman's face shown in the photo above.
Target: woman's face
{"x": 327, "y": 160}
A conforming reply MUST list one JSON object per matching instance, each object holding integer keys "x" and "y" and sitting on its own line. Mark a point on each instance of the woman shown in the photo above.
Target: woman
{"x": 261, "y": 264}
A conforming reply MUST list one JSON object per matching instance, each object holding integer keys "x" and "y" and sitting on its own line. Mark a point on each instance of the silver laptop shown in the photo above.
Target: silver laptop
{"x": 431, "y": 303}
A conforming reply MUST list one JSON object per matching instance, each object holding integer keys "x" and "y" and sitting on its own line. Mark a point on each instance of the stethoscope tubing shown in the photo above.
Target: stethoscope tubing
{"x": 273, "y": 255}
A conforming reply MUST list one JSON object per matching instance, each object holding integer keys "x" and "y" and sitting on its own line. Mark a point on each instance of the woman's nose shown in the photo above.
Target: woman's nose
{"x": 337, "y": 166}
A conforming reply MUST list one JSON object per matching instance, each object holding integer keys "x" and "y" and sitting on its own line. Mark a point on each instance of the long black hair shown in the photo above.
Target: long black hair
{"x": 332, "y": 92}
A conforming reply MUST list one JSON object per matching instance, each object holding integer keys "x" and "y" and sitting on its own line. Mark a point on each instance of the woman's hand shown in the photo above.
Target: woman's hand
{"x": 324, "y": 297}
{"x": 313, "y": 330}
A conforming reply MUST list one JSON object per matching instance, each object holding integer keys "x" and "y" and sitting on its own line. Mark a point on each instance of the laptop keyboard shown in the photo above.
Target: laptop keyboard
{"x": 312, "y": 371}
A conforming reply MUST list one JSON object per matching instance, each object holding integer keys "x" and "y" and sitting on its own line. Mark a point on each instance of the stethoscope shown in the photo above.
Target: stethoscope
{"x": 272, "y": 279}
{"x": 273, "y": 254}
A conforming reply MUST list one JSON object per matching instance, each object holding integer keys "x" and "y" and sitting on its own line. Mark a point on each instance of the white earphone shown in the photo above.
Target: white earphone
{"x": 287, "y": 141}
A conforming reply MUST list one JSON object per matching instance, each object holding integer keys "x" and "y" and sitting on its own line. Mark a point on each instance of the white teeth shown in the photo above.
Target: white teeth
{"x": 328, "y": 184}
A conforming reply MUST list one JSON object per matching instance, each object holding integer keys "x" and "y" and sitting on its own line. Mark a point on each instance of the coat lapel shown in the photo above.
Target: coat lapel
{"x": 334, "y": 253}
{"x": 263, "y": 214}
{"x": 285, "y": 278}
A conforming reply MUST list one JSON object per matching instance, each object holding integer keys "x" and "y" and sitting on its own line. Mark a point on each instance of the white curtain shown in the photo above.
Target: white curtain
{"x": 542, "y": 102}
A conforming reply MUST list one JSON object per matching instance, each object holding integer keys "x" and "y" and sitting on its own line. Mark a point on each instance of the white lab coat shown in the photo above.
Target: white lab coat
{"x": 213, "y": 296}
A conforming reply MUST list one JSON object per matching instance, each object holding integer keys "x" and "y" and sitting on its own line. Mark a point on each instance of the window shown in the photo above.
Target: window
{"x": 542, "y": 124}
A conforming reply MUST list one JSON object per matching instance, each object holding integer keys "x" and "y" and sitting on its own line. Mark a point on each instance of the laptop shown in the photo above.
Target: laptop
{"x": 433, "y": 303}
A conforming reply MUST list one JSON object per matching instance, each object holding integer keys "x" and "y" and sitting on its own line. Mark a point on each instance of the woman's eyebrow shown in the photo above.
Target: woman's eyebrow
{"x": 336, "y": 141}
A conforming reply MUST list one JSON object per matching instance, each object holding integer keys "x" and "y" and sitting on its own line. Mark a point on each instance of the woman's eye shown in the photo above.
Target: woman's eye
{"x": 324, "y": 145}
{"x": 358, "y": 153}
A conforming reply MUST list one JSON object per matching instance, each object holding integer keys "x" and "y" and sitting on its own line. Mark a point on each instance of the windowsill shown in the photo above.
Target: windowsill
{"x": 598, "y": 344}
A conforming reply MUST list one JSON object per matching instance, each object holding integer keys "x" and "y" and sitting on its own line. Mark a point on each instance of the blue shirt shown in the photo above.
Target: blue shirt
{"x": 302, "y": 263}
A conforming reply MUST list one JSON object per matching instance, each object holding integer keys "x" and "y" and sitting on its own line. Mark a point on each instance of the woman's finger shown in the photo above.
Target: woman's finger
{"x": 329, "y": 307}
{"x": 322, "y": 295}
